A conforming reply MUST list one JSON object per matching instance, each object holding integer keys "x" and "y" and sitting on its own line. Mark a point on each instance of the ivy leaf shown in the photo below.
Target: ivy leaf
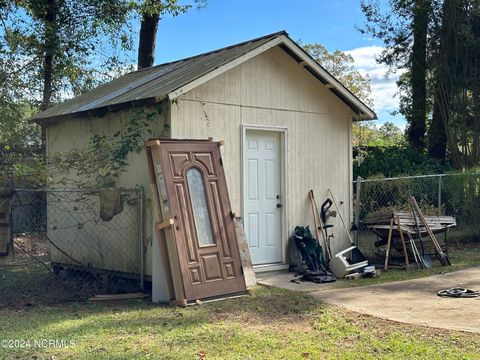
{"x": 103, "y": 171}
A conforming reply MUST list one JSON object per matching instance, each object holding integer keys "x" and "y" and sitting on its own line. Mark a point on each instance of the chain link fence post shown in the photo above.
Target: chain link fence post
{"x": 358, "y": 186}
{"x": 141, "y": 235}
{"x": 439, "y": 200}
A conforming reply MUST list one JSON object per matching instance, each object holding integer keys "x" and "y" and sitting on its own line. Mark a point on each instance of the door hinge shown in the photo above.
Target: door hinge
{"x": 221, "y": 162}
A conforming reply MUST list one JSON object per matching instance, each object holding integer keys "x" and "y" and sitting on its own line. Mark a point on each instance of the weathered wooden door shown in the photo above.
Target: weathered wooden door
{"x": 204, "y": 230}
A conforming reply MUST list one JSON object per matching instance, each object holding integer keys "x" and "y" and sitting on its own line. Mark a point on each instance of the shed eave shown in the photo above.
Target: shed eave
{"x": 345, "y": 95}
{"x": 96, "y": 112}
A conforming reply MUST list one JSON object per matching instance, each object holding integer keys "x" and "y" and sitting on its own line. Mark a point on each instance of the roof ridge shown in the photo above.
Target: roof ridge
{"x": 278, "y": 33}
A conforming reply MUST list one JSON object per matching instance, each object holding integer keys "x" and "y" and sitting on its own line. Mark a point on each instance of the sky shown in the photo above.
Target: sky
{"x": 331, "y": 23}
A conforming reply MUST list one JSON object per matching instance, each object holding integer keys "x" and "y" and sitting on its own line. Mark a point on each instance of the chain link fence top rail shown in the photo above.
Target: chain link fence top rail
{"x": 72, "y": 244}
{"x": 456, "y": 195}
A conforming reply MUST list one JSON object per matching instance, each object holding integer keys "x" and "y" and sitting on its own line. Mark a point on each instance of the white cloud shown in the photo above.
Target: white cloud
{"x": 384, "y": 89}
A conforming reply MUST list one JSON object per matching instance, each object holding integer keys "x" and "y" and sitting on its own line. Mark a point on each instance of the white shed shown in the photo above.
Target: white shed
{"x": 286, "y": 123}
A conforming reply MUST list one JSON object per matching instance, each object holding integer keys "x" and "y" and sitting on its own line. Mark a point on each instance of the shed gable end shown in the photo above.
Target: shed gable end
{"x": 271, "y": 80}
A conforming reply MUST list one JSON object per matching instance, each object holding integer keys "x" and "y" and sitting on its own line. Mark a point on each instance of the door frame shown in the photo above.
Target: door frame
{"x": 283, "y": 132}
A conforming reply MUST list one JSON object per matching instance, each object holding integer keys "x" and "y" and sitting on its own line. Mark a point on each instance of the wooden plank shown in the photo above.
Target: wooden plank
{"x": 431, "y": 220}
{"x": 248, "y": 273}
{"x": 399, "y": 227}
{"x": 389, "y": 244}
{"x": 440, "y": 254}
{"x": 416, "y": 254}
{"x": 168, "y": 239}
{"x": 119, "y": 297}
{"x": 161, "y": 238}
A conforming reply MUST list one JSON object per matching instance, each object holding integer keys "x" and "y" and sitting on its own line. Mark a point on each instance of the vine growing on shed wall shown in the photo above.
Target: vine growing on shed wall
{"x": 104, "y": 159}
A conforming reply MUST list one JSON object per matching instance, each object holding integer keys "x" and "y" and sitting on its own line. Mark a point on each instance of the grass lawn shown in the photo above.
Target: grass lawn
{"x": 269, "y": 324}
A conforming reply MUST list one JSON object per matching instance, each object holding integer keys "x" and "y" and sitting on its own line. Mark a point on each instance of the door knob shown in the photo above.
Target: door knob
{"x": 279, "y": 205}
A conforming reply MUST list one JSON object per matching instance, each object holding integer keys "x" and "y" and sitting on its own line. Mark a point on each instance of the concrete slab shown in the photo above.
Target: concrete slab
{"x": 282, "y": 280}
{"x": 415, "y": 301}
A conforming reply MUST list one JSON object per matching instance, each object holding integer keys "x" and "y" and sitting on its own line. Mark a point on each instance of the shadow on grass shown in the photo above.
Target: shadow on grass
{"x": 263, "y": 306}
{"x": 27, "y": 284}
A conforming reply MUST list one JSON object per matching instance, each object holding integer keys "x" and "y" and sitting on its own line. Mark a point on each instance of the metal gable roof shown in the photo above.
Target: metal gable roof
{"x": 157, "y": 82}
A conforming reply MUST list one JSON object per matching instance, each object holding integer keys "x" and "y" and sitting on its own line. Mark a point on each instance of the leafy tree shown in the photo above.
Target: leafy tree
{"x": 403, "y": 28}
{"x": 416, "y": 117}
{"x": 341, "y": 66}
{"x": 457, "y": 99}
{"x": 379, "y": 161}
{"x": 57, "y": 47}
{"x": 438, "y": 42}
{"x": 21, "y": 163}
{"x": 50, "y": 50}
{"x": 369, "y": 135}
{"x": 53, "y": 49}
{"x": 391, "y": 134}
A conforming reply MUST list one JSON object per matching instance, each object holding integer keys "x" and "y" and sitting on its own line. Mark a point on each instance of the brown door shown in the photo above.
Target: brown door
{"x": 204, "y": 231}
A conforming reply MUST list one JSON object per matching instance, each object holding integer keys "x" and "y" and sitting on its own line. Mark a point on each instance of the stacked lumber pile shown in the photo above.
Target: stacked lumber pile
{"x": 379, "y": 223}
{"x": 381, "y": 220}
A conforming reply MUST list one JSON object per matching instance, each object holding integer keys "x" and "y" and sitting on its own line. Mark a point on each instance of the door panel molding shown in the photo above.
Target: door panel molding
{"x": 283, "y": 132}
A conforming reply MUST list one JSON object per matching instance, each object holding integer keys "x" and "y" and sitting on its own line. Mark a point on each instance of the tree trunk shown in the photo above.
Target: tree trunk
{"x": 437, "y": 139}
{"x": 50, "y": 44}
{"x": 446, "y": 70}
{"x": 418, "y": 70}
{"x": 147, "y": 40}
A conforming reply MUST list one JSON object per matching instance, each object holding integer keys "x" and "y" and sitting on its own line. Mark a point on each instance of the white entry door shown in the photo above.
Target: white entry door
{"x": 262, "y": 196}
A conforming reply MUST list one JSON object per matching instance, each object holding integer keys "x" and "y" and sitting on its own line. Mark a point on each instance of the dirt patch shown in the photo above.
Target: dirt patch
{"x": 415, "y": 301}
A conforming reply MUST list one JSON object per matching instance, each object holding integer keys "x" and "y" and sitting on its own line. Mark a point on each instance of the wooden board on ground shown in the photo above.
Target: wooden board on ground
{"x": 109, "y": 297}
{"x": 248, "y": 273}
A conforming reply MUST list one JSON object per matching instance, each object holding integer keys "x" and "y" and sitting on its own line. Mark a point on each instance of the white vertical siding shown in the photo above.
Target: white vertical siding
{"x": 272, "y": 89}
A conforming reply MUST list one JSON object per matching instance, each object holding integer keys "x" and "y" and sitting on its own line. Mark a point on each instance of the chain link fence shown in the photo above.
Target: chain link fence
{"x": 456, "y": 195}
{"x": 70, "y": 244}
